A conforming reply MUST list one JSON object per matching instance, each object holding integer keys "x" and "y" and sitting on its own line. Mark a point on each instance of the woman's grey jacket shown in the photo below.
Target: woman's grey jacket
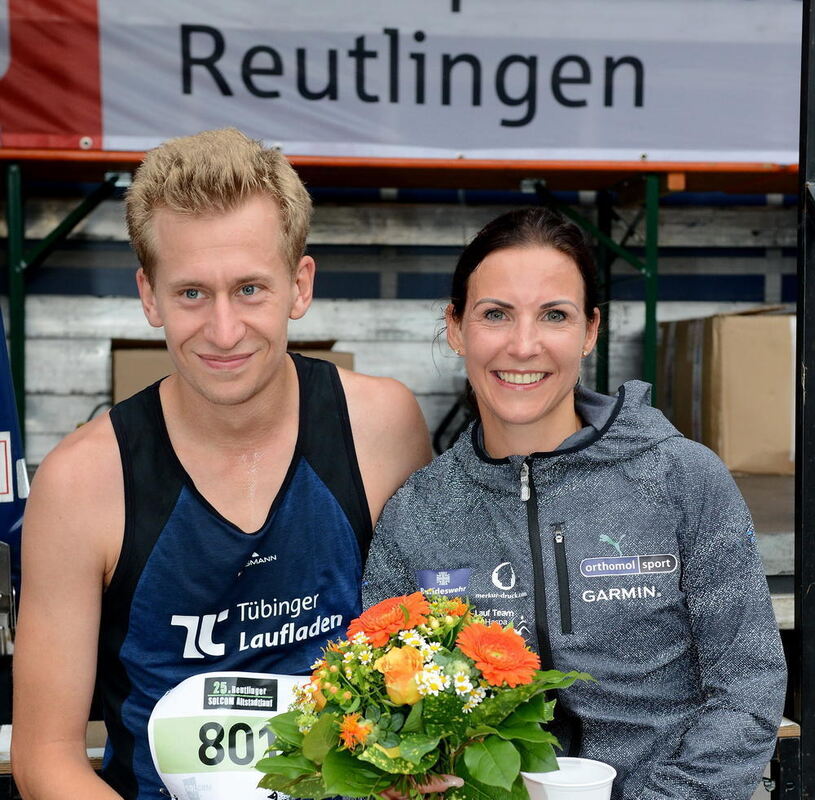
{"x": 627, "y": 553}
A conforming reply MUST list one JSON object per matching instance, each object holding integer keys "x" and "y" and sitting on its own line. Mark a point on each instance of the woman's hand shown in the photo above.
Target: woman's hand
{"x": 438, "y": 783}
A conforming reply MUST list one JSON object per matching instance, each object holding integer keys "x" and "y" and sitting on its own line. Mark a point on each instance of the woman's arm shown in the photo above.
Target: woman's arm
{"x": 389, "y": 568}
{"x": 741, "y": 663}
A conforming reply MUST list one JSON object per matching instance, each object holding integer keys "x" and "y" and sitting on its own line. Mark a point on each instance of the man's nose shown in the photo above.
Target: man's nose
{"x": 225, "y": 329}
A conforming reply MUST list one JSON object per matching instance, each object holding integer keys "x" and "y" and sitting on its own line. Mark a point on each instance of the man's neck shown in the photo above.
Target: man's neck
{"x": 190, "y": 415}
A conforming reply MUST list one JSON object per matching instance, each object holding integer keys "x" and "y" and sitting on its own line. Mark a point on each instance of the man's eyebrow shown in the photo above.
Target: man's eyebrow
{"x": 183, "y": 283}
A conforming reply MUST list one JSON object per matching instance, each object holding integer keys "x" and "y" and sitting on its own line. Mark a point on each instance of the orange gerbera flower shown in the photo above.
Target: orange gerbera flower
{"x": 500, "y": 654}
{"x": 354, "y": 732}
{"x": 390, "y": 616}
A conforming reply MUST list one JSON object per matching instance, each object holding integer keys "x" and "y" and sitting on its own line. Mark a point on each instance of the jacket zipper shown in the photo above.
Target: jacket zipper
{"x": 529, "y": 496}
{"x": 564, "y": 590}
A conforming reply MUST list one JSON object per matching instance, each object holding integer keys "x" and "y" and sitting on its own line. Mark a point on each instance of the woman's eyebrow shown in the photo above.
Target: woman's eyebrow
{"x": 493, "y": 301}
{"x": 505, "y": 304}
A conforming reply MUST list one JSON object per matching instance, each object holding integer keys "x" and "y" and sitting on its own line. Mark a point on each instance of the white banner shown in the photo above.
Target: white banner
{"x": 693, "y": 80}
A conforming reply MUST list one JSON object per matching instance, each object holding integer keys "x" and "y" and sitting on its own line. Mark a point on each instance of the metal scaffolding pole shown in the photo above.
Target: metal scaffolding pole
{"x": 802, "y": 674}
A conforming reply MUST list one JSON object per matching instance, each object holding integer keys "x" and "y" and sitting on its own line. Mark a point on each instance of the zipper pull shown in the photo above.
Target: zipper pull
{"x": 558, "y": 535}
{"x": 525, "y": 493}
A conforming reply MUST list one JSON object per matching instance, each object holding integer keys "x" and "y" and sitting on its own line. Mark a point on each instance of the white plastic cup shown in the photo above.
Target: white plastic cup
{"x": 577, "y": 779}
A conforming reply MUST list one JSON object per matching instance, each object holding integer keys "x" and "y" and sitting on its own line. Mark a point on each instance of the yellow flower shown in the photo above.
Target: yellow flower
{"x": 400, "y": 667}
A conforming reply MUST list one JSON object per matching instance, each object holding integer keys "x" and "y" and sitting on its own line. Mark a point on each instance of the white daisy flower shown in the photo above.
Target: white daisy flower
{"x": 462, "y": 684}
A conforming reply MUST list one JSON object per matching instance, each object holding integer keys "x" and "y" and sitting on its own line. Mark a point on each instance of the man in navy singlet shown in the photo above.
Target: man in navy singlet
{"x": 217, "y": 520}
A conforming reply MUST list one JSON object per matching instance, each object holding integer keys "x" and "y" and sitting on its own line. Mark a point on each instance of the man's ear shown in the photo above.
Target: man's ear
{"x": 148, "y": 299}
{"x": 453, "y": 330}
{"x": 302, "y": 287}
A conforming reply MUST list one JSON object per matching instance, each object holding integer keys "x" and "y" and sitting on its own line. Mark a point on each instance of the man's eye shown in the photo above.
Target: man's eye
{"x": 192, "y": 294}
{"x": 248, "y": 291}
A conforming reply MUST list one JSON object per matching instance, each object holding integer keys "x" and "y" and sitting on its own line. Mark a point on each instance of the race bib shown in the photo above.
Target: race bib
{"x": 208, "y": 733}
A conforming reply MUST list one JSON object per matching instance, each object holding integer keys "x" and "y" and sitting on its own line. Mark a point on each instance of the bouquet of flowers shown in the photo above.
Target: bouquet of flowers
{"x": 420, "y": 687}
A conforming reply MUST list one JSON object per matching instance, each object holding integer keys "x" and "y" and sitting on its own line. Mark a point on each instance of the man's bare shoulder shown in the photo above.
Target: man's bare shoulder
{"x": 84, "y": 466}
{"x": 386, "y": 405}
{"x": 390, "y": 434}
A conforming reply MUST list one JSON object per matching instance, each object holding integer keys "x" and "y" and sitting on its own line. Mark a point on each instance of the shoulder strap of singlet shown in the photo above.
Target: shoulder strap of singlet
{"x": 152, "y": 482}
{"x": 327, "y": 442}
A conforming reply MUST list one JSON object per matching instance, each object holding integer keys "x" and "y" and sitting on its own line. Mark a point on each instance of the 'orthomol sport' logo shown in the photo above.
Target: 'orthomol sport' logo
{"x": 627, "y": 565}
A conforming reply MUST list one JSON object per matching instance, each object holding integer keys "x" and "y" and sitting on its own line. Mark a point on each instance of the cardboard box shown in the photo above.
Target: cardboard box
{"x": 136, "y": 364}
{"x": 728, "y": 381}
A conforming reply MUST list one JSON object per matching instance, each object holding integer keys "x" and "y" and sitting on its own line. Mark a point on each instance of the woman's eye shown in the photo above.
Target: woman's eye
{"x": 192, "y": 294}
{"x": 554, "y": 315}
{"x": 248, "y": 291}
{"x": 494, "y": 314}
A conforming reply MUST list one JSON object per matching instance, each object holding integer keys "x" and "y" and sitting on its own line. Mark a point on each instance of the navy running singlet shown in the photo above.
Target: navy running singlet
{"x": 193, "y": 593}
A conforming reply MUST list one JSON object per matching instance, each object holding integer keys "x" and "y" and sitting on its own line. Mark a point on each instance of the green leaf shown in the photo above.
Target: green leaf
{"x": 494, "y": 762}
{"x": 373, "y": 713}
{"x": 345, "y": 774}
{"x": 555, "y": 679}
{"x": 306, "y": 788}
{"x": 396, "y": 722}
{"x": 480, "y": 731}
{"x": 536, "y": 709}
{"x": 287, "y": 766}
{"x": 277, "y": 783}
{"x": 537, "y": 757}
{"x": 413, "y": 723}
{"x": 310, "y": 789}
{"x": 495, "y": 709}
{"x": 395, "y": 764}
{"x": 389, "y": 739}
{"x": 475, "y": 790}
{"x": 415, "y": 745}
{"x": 284, "y": 727}
{"x": 321, "y": 738}
{"x": 527, "y": 732}
{"x": 443, "y": 717}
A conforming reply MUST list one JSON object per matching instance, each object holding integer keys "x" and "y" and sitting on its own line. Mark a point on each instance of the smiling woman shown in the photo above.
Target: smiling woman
{"x": 523, "y": 323}
{"x": 613, "y": 544}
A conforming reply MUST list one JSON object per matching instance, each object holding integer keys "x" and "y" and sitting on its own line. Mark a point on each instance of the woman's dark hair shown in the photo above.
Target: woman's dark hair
{"x": 526, "y": 227}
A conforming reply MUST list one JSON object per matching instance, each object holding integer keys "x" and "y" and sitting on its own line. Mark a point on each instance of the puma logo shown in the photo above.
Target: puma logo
{"x": 616, "y": 545}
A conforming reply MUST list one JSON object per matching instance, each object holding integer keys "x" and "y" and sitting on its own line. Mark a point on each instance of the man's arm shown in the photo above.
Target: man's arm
{"x": 71, "y": 537}
{"x": 390, "y": 434}
{"x": 741, "y": 664}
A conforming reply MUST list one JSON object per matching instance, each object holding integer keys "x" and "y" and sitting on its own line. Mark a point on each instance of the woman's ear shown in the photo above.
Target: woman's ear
{"x": 453, "y": 330}
{"x": 592, "y": 329}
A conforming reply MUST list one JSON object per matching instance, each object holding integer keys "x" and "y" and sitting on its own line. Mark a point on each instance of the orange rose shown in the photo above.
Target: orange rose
{"x": 500, "y": 654}
{"x": 400, "y": 667}
{"x": 390, "y": 616}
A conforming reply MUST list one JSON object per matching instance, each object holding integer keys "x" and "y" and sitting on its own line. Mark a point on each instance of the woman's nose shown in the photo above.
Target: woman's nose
{"x": 525, "y": 340}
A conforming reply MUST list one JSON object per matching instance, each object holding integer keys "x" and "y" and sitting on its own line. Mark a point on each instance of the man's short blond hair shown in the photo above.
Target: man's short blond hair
{"x": 214, "y": 172}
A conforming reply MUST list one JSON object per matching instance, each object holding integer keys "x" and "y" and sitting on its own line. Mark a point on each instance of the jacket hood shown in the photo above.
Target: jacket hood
{"x": 630, "y": 426}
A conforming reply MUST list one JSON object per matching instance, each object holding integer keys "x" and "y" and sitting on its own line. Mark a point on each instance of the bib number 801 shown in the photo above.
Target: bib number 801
{"x": 240, "y": 743}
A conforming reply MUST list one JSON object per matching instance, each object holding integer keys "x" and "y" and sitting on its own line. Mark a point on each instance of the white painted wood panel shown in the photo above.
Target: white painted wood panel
{"x": 429, "y": 224}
